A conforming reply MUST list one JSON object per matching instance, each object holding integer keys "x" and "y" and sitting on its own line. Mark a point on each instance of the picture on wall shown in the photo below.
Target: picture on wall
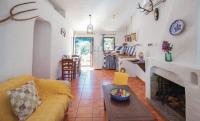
{"x": 133, "y": 37}
{"x": 130, "y": 38}
{"x": 63, "y": 32}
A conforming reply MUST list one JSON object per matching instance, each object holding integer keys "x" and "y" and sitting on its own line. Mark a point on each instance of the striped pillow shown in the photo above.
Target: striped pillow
{"x": 118, "y": 48}
{"x": 131, "y": 51}
{"x": 127, "y": 49}
{"x": 123, "y": 50}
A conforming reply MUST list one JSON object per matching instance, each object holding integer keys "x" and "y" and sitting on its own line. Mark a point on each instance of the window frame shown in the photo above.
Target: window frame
{"x": 113, "y": 44}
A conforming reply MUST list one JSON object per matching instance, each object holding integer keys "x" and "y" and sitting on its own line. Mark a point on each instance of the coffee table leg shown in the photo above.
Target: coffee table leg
{"x": 104, "y": 105}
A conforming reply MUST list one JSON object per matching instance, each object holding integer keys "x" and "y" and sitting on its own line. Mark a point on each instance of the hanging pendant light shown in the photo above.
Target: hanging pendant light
{"x": 90, "y": 28}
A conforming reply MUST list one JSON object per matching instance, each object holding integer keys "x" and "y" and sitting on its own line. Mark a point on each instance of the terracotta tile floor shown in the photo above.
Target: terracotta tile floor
{"x": 88, "y": 96}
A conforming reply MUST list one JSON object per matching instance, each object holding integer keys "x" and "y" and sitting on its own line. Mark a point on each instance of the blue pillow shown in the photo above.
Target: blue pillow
{"x": 118, "y": 48}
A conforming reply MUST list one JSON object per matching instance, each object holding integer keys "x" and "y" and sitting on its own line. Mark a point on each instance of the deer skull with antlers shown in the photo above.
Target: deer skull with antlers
{"x": 147, "y": 7}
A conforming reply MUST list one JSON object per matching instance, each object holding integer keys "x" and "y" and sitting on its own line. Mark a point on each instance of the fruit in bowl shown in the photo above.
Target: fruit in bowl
{"x": 120, "y": 94}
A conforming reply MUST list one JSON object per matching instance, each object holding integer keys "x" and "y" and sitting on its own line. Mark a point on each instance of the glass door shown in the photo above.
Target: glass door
{"x": 83, "y": 47}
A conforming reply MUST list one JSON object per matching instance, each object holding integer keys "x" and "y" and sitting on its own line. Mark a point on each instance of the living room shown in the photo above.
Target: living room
{"x": 147, "y": 49}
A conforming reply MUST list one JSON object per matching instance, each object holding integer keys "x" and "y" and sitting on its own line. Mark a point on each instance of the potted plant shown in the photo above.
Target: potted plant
{"x": 167, "y": 48}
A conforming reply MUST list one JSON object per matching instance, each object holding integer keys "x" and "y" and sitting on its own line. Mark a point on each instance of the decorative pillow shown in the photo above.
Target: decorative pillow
{"x": 123, "y": 50}
{"x": 127, "y": 49}
{"x": 24, "y": 100}
{"x": 131, "y": 51}
{"x": 118, "y": 48}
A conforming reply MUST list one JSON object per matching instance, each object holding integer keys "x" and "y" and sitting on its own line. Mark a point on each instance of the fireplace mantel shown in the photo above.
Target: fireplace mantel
{"x": 182, "y": 74}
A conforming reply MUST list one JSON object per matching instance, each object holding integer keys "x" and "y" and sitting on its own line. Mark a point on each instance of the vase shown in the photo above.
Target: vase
{"x": 168, "y": 57}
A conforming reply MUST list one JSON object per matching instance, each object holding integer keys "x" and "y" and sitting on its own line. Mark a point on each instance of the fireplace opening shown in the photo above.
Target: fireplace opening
{"x": 168, "y": 98}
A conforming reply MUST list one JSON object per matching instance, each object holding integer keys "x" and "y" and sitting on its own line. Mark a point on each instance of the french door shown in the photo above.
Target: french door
{"x": 83, "y": 46}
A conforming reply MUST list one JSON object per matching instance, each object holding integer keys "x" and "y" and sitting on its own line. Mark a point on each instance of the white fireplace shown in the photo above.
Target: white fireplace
{"x": 181, "y": 74}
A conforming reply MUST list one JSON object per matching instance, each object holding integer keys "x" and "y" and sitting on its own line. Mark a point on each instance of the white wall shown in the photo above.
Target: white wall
{"x": 41, "y": 49}
{"x": 98, "y": 52}
{"x": 16, "y": 40}
{"x": 15, "y": 45}
{"x": 198, "y": 41}
{"x": 70, "y": 41}
{"x": 150, "y": 31}
{"x": 119, "y": 38}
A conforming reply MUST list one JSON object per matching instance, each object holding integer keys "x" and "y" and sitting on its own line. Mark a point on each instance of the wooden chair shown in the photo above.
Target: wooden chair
{"x": 120, "y": 78}
{"x": 73, "y": 56}
{"x": 79, "y": 66}
{"x": 77, "y": 60}
{"x": 67, "y": 69}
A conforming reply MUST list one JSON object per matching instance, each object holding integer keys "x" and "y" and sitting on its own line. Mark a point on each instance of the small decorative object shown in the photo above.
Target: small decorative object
{"x": 123, "y": 70}
{"x": 141, "y": 56}
{"x": 150, "y": 44}
{"x": 167, "y": 48}
{"x": 14, "y": 13}
{"x": 156, "y": 14}
{"x": 120, "y": 94}
{"x": 176, "y": 27}
{"x": 63, "y": 32}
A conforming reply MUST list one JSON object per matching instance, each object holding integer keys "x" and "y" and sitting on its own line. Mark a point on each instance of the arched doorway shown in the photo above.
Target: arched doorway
{"x": 41, "y": 49}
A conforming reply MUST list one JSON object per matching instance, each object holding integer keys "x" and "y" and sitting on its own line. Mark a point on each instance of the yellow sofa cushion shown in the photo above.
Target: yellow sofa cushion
{"x": 52, "y": 109}
{"x": 47, "y": 89}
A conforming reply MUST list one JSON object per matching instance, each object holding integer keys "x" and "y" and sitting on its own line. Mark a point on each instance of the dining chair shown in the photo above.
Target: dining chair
{"x": 67, "y": 69}
{"x": 77, "y": 60}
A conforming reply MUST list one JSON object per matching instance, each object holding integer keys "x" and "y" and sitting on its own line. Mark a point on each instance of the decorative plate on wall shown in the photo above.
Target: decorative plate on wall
{"x": 176, "y": 27}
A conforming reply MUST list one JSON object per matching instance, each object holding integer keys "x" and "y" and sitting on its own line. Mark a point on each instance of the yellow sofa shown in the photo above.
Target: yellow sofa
{"x": 55, "y": 97}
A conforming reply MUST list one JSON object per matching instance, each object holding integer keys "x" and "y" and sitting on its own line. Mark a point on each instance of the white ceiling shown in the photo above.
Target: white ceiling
{"x": 107, "y": 15}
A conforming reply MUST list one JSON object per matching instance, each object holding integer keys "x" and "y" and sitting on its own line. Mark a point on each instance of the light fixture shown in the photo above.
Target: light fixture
{"x": 90, "y": 28}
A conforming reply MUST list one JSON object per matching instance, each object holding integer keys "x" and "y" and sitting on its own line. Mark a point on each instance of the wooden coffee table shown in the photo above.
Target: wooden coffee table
{"x": 132, "y": 110}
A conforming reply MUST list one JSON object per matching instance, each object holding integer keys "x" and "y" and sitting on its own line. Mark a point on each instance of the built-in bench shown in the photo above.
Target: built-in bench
{"x": 134, "y": 69}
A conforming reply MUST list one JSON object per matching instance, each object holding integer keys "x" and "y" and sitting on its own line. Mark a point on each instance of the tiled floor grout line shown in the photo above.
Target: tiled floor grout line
{"x": 85, "y": 74}
{"x": 92, "y": 103}
{"x": 82, "y": 89}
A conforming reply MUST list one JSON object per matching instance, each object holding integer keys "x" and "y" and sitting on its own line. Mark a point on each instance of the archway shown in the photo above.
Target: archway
{"x": 41, "y": 49}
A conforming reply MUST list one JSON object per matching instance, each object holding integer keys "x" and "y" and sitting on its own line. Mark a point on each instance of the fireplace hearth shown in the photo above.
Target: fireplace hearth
{"x": 168, "y": 98}
{"x": 173, "y": 107}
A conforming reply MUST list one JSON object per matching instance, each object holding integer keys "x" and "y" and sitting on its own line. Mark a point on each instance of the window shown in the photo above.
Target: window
{"x": 108, "y": 43}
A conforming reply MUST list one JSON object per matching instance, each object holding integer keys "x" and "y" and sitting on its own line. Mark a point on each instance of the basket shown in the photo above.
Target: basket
{"x": 119, "y": 94}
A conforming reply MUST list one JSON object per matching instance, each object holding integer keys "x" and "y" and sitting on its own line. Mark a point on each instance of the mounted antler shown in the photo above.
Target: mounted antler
{"x": 13, "y": 14}
{"x": 21, "y": 12}
{"x": 147, "y": 11}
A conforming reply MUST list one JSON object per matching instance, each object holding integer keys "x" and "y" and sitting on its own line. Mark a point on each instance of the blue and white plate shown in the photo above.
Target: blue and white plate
{"x": 176, "y": 27}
